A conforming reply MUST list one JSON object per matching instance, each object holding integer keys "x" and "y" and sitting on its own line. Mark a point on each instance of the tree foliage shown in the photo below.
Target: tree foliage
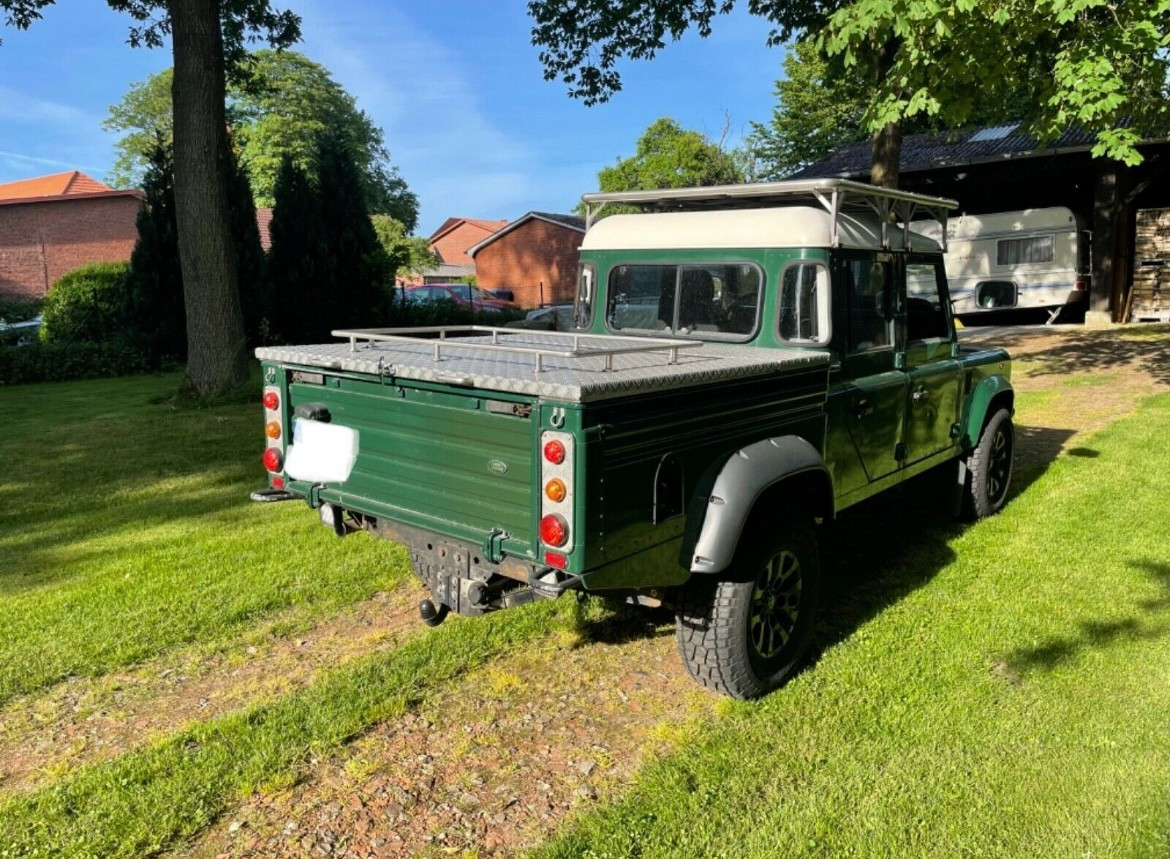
{"x": 1096, "y": 63}
{"x": 279, "y": 103}
{"x": 820, "y": 106}
{"x": 408, "y": 255}
{"x": 670, "y": 156}
{"x": 155, "y": 278}
{"x": 581, "y": 42}
{"x": 327, "y": 267}
{"x": 251, "y": 265}
{"x": 816, "y": 112}
{"x": 208, "y": 37}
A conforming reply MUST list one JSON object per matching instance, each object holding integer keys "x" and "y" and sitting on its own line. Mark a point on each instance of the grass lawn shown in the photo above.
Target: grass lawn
{"x": 126, "y": 530}
{"x": 1009, "y": 699}
{"x": 993, "y": 690}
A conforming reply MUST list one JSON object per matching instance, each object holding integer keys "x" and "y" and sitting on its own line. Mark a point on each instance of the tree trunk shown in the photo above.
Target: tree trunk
{"x": 887, "y": 156}
{"x": 216, "y": 356}
{"x": 886, "y": 168}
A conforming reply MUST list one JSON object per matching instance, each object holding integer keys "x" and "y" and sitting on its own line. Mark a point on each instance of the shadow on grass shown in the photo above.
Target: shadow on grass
{"x": 624, "y": 623}
{"x": 82, "y": 484}
{"x": 1148, "y": 623}
{"x": 1092, "y": 350}
{"x": 874, "y": 554}
{"x": 1036, "y": 449}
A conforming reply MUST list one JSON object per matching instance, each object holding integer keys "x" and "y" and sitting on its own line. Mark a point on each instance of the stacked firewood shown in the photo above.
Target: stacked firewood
{"x": 1151, "y": 268}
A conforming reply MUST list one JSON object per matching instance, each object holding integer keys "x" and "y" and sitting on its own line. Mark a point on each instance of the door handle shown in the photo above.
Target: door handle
{"x": 862, "y": 408}
{"x": 920, "y": 394}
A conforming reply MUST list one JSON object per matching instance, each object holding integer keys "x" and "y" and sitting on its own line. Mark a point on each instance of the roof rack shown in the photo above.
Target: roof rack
{"x": 837, "y": 196}
{"x": 562, "y": 345}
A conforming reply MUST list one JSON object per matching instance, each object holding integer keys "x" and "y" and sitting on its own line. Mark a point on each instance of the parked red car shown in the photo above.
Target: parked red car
{"x": 460, "y": 293}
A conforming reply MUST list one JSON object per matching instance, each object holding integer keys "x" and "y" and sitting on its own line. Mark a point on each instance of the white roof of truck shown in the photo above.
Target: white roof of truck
{"x": 797, "y": 213}
{"x": 787, "y": 227}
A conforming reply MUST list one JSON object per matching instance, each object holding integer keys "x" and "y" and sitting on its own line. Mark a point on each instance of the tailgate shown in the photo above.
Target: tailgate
{"x": 448, "y": 460}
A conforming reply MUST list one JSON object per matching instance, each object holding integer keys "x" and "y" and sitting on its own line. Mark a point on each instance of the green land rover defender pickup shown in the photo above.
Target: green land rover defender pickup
{"x": 746, "y": 362}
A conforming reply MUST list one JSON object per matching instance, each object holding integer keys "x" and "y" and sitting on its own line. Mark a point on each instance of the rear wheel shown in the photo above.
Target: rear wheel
{"x": 990, "y": 466}
{"x": 747, "y": 635}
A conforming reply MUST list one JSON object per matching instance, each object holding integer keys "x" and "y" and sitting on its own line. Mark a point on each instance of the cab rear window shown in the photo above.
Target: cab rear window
{"x": 720, "y": 301}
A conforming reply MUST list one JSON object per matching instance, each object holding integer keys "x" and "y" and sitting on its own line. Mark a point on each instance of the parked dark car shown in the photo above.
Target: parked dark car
{"x": 460, "y": 293}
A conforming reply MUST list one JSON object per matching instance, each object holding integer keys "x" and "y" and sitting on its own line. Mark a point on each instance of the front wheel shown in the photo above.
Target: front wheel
{"x": 990, "y": 466}
{"x": 746, "y": 635}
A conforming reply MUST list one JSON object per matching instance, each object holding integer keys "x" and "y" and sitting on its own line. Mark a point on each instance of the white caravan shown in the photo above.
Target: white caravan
{"x": 1029, "y": 259}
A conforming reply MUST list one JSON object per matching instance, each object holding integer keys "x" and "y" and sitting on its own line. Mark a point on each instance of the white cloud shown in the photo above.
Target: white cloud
{"x": 21, "y": 109}
{"x": 17, "y": 161}
{"x": 457, "y": 158}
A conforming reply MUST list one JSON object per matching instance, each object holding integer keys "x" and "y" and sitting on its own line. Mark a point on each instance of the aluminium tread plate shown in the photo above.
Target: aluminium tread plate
{"x": 578, "y": 380}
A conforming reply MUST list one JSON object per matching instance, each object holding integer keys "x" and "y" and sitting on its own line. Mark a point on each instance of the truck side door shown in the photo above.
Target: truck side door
{"x": 873, "y": 390}
{"x": 934, "y": 374}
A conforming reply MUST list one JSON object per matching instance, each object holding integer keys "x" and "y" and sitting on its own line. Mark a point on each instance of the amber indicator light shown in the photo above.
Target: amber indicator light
{"x": 555, "y": 490}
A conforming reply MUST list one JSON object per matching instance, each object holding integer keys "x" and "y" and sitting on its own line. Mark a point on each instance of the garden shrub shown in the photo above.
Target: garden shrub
{"x": 88, "y": 305}
{"x": 58, "y": 362}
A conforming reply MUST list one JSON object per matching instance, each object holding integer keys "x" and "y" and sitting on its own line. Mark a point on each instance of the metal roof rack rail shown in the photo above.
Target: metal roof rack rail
{"x": 563, "y": 345}
{"x": 836, "y": 196}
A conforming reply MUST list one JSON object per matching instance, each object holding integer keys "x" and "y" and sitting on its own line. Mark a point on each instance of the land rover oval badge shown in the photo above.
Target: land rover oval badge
{"x": 498, "y": 466}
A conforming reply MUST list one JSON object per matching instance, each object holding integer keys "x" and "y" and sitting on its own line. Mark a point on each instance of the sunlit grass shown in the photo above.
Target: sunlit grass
{"x": 1009, "y": 699}
{"x": 127, "y": 530}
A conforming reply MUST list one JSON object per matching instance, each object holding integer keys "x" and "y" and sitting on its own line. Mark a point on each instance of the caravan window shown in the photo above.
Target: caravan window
{"x": 1016, "y": 251}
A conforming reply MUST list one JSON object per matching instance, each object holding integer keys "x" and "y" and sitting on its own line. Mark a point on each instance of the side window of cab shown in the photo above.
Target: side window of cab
{"x": 868, "y": 296}
{"x": 927, "y": 313}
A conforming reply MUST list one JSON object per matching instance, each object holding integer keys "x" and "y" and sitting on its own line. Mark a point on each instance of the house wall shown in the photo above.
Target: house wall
{"x": 40, "y": 242}
{"x": 537, "y": 261}
{"x": 452, "y": 246}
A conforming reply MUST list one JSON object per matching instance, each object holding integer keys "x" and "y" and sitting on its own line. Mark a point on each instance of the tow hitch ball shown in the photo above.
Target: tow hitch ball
{"x": 431, "y": 615}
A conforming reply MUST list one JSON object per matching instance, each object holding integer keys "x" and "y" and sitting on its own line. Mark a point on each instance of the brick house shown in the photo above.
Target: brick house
{"x": 51, "y": 225}
{"x": 456, "y": 235}
{"x": 535, "y": 256}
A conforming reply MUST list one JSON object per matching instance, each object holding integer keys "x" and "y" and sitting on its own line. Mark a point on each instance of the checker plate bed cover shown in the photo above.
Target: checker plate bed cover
{"x": 572, "y": 379}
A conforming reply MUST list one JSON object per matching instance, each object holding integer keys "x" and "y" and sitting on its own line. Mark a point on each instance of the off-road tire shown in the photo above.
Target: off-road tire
{"x": 990, "y": 467}
{"x": 717, "y": 638}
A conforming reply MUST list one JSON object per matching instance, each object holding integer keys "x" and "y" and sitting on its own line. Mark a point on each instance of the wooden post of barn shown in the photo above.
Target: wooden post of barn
{"x": 1107, "y": 226}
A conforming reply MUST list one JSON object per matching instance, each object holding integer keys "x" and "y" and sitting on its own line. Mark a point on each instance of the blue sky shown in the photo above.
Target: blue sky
{"x": 456, "y": 84}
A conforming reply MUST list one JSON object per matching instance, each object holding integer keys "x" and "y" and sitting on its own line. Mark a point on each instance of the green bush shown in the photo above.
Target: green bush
{"x": 89, "y": 305}
{"x": 59, "y": 362}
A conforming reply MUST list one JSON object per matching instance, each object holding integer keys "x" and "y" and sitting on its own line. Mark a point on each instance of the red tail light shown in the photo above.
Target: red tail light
{"x": 554, "y": 452}
{"x": 554, "y": 530}
{"x": 271, "y": 400}
{"x": 273, "y": 460}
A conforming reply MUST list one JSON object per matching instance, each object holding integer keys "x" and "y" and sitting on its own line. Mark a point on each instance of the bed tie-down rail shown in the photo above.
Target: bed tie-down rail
{"x": 489, "y": 339}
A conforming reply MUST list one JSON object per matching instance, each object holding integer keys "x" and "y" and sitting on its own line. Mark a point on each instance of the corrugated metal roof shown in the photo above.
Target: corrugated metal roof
{"x": 948, "y": 149}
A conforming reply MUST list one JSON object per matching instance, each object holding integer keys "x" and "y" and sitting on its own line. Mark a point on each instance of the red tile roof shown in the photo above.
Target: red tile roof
{"x": 55, "y": 185}
{"x": 452, "y": 223}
